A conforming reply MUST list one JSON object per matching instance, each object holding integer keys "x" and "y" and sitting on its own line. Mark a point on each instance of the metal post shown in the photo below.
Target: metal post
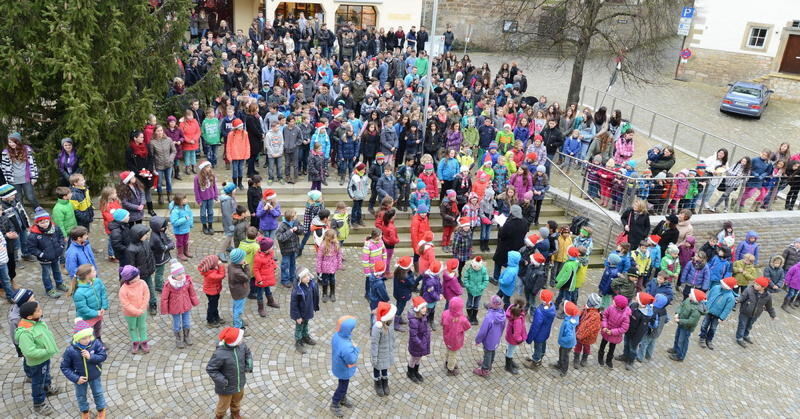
{"x": 731, "y": 157}
{"x": 608, "y": 238}
{"x": 613, "y": 103}
{"x": 741, "y": 194}
{"x": 773, "y": 195}
{"x": 429, "y": 71}
{"x": 675, "y": 134}
{"x": 633, "y": 110}
{"x": 596, "y": 97}
{"x": 569, "y": 200}
{"x": 700, "y": 150}
{"x": 583, "y": 94}
{"x": 652, "y": 123}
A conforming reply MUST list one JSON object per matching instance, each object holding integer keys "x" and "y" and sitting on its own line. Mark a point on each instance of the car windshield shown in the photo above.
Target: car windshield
{"x": 749, "y": 91}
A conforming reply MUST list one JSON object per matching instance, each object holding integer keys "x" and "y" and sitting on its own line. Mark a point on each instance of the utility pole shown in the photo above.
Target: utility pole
{"x": 427, "y": 76}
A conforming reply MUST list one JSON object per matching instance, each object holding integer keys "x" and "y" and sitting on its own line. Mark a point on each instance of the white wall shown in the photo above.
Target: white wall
{"x": 390, "y": 12}
{"x": 724, "y": 22}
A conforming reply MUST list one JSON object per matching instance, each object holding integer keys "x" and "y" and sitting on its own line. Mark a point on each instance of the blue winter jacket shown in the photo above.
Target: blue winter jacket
{"x": 48, "y": 246}
{"x": 376, "y": 291}
{"x": 448, "y": 169}
{"x": 74, "y": 366}
{"x": 697, "y": 278}
{"x": 181, "y": 218}
{"x": 759, "y": 170}
{"x": 485, "y": 136}
{"x": 720, "y": 302}
{"x": 746, "y": 247}
{"x": 666, "y": 288}
{"x": 402, "y": 287}
{"x": 348, "y": 150}
{"x": 624, "y": 264}
{"x": 719, "y": 269}
{"x": 566, "y": 333}
{"x": 609, "y": 274}
{"x": 304, "y": 300}
{"x": 508, "y": 279}
{"x": 386, "y": 186}
{"x": 572, "y": 146}
{"x": 268, "y": 219}
{"x": 541, "y": 324}
{"x": 344, "y": 354}
{"x": 322, "y": 137}
{"x": 655, "y": 257}
{"x": 90, "y": 298}
{"x": 77, "y": 255}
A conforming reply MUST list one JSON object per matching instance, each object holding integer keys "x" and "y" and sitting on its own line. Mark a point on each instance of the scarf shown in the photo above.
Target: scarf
{"x": 139, "y": 150}
{"x": 176, "y": 283}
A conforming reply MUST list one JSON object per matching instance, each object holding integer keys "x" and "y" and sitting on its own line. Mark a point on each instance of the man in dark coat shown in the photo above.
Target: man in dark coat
{"x": 511, "y": 237}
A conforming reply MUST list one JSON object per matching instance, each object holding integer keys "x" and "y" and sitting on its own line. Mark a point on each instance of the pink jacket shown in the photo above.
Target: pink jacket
{"x": 450, "y": 286}
{"x": 178, "y": 301}
{"x": 515, "y": 328}
{"x": 133, "y": 297}
{"x": 617, "y": 321}
{"x": 329, "y": 264}
{"x": 372, "y": 252}
{"x": 623, "y": 151}
{"x": 519, "y": 183}
{"x": 454, "y": 324}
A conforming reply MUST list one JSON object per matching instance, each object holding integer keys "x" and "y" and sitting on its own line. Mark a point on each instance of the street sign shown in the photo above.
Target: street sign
{"x": 684, "y": 26}
{"x": 687, "y": 12}
{"x": 686, "y": 53}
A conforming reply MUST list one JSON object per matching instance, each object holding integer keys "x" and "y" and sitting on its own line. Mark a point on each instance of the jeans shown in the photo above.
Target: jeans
{"x": 6, "y": 280}
{"x": 207, "y": 211}
{"x": 288, "y": 268}
{"x": 165, "y": 176}
{"x": 744, "y": 326}
{"x": 251, "y": 164}
{"x": 26, "y": 190}
{"x": 646, "y": 348}
{"x": 50, "y": 269}
{"x": 40, "y": 380}
{"x": 261, "y": 292}
{"x": 238, "y": 309}
{"x": 355, "y": 213}
{"x": 181, "y": 321}
{"x": 473, "y": 301}
{"x": 302, "y": 158}
{"x": 401, "y": 306}
{"x": 681, "y": 343}
{"x": 82, "y": 390}
{"x": 539, "y": 349}
{"x": 510, "y": 349}
{"x": 486, "y": 230}
{"x": 346, "y": 166}
{"x": 211, "y": 154}
{"x": 110, "y": 248}
{"x": 137, "y": 327}
{"x": 190, "y": 157}
{"x": 709, "y": 327}
{"x": 268, "y": 233}
{"x": 629, "y": 349}
{"x": 237, "y": 169}
{"x": 212, "y": 312}
{"x": 275, "y": 167}
{"x": 290, "y": 168}
{"x": 341, "y": 391}
{"x": 488, "y": 359}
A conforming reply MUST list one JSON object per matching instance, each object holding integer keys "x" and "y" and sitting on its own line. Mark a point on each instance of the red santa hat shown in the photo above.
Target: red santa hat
{"x": 405, "y": 262}
{"x": 418, "y": 302}
{"x": 573, "y": 252}
{"x": 570, "y": 309}
{"x": 696, "y": 295}
{"x": 269, "y": 194}
{"x": 464, "y": 221}
{"x": 644, "y": 299}
{"x": 231, "y": 336}
{"x": 476, "y": 262}
{"x": 728, "y": 283}
{"x": 435, "y": 268}
{"x": 384, "y": 313}
{"x": 537, "y": 259}
{"x": 763, "y": 281}
{"x": 452, "y": 264}
{"x": 126, "y": 176}
{"x": 379, "y": 267}
{"x": 532, "y": 239}
{"x": 655, "y": 238}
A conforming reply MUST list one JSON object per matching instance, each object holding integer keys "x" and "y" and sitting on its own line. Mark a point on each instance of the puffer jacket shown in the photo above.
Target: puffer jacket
{"x": 75, "y": 366}
{"x": 47, "y": 246}
{"x": 238, "y": 281}
{"x": 227, "y": 368}
{"x": 264, "y": 268}
{"x": 178, "y": 300}
{"x": 382, "y": 346}
{"x": 617, "y": 321}
{"x": 515, "y": 328}
{"x": 754, "y": 303}
{"x": 454, "y": 324}
{"x": 344, "y": 354}
{"x": 77, "y": 255}
{"x": 541, "y": 324}
{"x": 588, "y": 327}
{"x": 181, "y": 218}
{"x": 160, "y": 242}
{"x": 288, "y": 240}
{"x": 120, "y": 237}
{"x": 212, "y": 279}
{"x": 132, "y": 203}
{"x": 82, "y": 203}
{"x": 138, "y": 253}
{"x": 744, "y": 273}
{"x": 134, "y": 297}
{"x": 163, "y": 151}
{"x": 358, "y": 187}
{"x": 419, "y": 335}
{"x": 791, "y": 256}
{"x": 268, "y": 218}
{"x": 566, "y": 333}
{"x": 508, "y": 279}
{"x": 720, "y": 302}
{"x": 90, "y": 298}
{"x": 491, "y": 329}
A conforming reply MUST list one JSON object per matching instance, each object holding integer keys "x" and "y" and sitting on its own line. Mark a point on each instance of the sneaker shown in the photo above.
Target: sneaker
{"x": 748, "y": 340}
{"x": 61, "y": 287}
{"x": 53, "y": 293}
{"x": 42, "y": 409}
{"x": 283, "y": 182}
{"x": 741, "y": 343}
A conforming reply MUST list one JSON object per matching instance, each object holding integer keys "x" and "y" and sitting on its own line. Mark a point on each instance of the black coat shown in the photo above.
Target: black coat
{"x": 227, "y": 368}
{"x": 638, "y": 324}
{"x": 160, "y": 242}
{"x": 135, "y": 163}
{"x": 511, "y": 237}
{"x": 668, "y": 235}
{"x": 254, "y": 133}
{"x": 139, "y": 253}
{"x": 120, "y": 237}
{"x": 638, "y": 224}
{"x": 553, "y": 139}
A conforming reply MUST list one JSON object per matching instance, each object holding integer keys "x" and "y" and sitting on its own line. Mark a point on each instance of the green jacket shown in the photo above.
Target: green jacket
{"x": 621, "y": 285}
{"x": 568, "y": 273}
{"x": 668, "y": 260}
{"x": 689, "y": 314}
{"x": 692, "y": 191}
{"x": 475, "y": 281}
{"x": 471, "y": 136}
{"x": 250, "y": 248}
{"x": 64, "y": 216}
{"x": 36, "y": 342}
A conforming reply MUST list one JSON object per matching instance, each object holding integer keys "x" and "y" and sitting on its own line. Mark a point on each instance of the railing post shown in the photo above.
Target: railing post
{"x": 652, "y": 123}
{"x": 608, "y": 239}
{"x": 700, "y": 150}
{"x": 613, "y": 103}
{"x": 569, "y": 200}
{"x": 583, "y": 95}
{"x": 741, "y": 193}
{"x": 773, "y": 195}
{"x": 596, "y": 98}
{"x": 675, "y": 134}
{"x": 732, "y": 156}
{"x": 633, "y": 111}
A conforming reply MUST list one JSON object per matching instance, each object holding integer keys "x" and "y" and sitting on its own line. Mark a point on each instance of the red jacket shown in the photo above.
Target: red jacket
{"x": 264, "y": 267}
{"x": 419, "y": 226}
{"x": 390, "y": 238}
{"x": 191, "y": 134}
{"x": 178, "y": 301}
{"x": 431, "y": 183}
{"x": 107, "y": 217}
{"x": 427, "y": 257}
{"x": 212, "y": 280}
{"x": 589, "y": 326}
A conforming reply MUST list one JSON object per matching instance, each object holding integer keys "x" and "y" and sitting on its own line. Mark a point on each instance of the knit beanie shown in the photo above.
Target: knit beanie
{"x": 7, "y": 190}
{"x": 120, "y": 214}
{"x": 593, "y": 301}
{"x": 176, "y": 268}
{"x": 127, "y": 273}
{"x": 265, "y": 244}
{"x": 237, "y": 255}
{"x": 81, "y": 330}
{"x": 229, "y": 188}
{"x": 314, "y": 195}
{"x": 620, "y": 301}
{"x": 40, "y": 214}
{"x": 614, "y": 259}
{"x": 422, "y": 209}
{"x": 22, "y": 296}
{"x": 208, "y": 263}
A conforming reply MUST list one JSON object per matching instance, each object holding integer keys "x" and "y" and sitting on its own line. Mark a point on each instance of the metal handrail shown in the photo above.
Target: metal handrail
{"x": 553, "y": 165}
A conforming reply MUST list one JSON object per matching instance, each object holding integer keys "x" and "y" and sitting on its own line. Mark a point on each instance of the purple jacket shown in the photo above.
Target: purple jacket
{"x": 201, "y": 195}
{"x": 519, "y": 183}
{"x": 491, "y": 329}
{"x": 431, "y": 288}
{"x": 793, "y": 277}
{"x": 454, "y": 140}
{"x": 268, "y": 219}
{"x": 419, "y": 335}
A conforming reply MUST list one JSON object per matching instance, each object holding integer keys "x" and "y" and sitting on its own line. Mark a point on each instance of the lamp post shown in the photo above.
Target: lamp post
{"x": 427, "y": 76}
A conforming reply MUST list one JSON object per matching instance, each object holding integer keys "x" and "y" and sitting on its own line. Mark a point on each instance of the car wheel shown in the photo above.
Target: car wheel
{"x": 758, "y": 116}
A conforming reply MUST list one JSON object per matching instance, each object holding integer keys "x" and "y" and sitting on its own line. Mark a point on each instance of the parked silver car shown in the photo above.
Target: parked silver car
{"x": 746, "y": 98}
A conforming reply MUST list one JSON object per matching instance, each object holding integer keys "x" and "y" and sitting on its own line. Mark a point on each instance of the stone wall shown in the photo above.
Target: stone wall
{"x": 786, "y": 87}
{"x": 721, "y": 67}
{"x": 480, "y": 15}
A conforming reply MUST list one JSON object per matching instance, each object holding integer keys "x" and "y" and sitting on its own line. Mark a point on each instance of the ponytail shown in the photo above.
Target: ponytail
{"x": 81, "y": 274}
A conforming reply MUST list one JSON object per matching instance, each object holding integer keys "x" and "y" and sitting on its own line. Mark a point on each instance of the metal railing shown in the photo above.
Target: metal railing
{"x": 684, "y": 137}
{"x": 616, "y": 190}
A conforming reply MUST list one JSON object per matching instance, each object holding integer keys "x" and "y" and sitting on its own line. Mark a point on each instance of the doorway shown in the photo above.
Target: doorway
{"x": 291, "y": 11}
{"x": 791, "y": 56}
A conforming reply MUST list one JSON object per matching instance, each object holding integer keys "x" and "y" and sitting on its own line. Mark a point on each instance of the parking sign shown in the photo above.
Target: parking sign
{"x": 687, "y": 12}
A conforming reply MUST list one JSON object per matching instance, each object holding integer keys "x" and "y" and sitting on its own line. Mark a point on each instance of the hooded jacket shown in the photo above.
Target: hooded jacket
{"x": 344, "y": 354}
{"x": 419, "y": 335}
{"x": 793, "y": 277}
{"x": 491, "y": 329}
{"x": 515, "y": 330}
{"x": 454, "y": 324}
{"x": 77, "y": 255}
{"x": 720, "y": 302}
{"x": 268, "y": 218}
{"x": 696, "y": 277}
{"x": 36, "y": 341}
{"x": 75, "y": 366}
{"x": 746, "y": 247}
{"x": 48, "y": 245}
{"x": 689, "y": 313}
{"x": 64, "y": 216}
{"x": 227, "y": 368}
{"x": 450, "y": 286}
{"x": 541, "y": 324}
{"x": 288, "y": 240}
{"x": 160, "y": 242}
{"x": 304, "y": 300}
{"x": 753, "y": 303}
{"x": 431, "y": 288}
{"x": 120, "y": 237}
{"x": 508, "y": 279}
{"x": 566, "y": 333}
{"x": 588, "y": 326}
{"x": 617, "y": 321}
{"x": 382, "y": 346}
{"x": 178, "y": 300}
{"x": 138, "y": 253}
{"x": 181, "y": 218}
{"x": 719, "y": 268}
{"x": 791, "y": 256}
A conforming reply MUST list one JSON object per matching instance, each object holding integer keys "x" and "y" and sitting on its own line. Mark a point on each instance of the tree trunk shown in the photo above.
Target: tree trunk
{"x": 577, "y": 71}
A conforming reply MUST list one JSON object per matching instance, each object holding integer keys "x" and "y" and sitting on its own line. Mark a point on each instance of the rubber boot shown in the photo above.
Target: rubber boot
{"x": 298, "y": 346}
{"x": 177, "y": 172}
{"x": 398, "y": 327}
{"x": 205, "y": 229}
{"x": 410, "y": 374}
{"x": 271, "y": 302}
{"x": 378, "y": 388}
{"x": 600, "y": 357}
{"x": 511, "y": 367}
{"x": 210, "y": 229}
{"x": 150, "y": 209}
{"x": 181, "y": 255}
{"x": 584, "y": 357}
{"x": 324, "y": 293}
{"x": 420, "y": 378}
{"x": 187, "y": 337}
{"x": 261, "y": 311}
{"x": 186, "y": 170}
{"x": 179, "y": 340}
{"x": 186, "y": 251}
{"x": 385, "y": 384}
{"x": 575, "y": 363}
{"x": 333, "y": 292}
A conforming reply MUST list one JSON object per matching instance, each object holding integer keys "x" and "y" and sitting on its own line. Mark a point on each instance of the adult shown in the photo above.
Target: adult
{"x": 665, "y": 161}
{"x": 67, "y": 161}
{"x": 636, "y": 222}
{"x": 255, "y": 134}
{"x": 718, "y": 160}
{"x": 510, "y": 237}
{"x": 139, "y": 160}
{"x": 163, "y": 151}
{"x": 684, "y": 226}
{"x": 19, "y": 168}
{"x": 601, "y": 145}
{"x": 668, "y": 232}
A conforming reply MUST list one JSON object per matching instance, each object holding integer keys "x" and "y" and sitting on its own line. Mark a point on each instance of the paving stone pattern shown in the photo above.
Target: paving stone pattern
{"x": 173, "y": 383}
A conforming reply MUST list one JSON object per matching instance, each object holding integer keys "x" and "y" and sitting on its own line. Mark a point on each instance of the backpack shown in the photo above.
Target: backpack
{"x": 578, "y": 222}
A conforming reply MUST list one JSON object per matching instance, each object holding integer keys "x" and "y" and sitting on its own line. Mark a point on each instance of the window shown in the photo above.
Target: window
{"x": 796, "y": 24}
{"x": 359, "y": 15}
{"x": 757, "y": 38}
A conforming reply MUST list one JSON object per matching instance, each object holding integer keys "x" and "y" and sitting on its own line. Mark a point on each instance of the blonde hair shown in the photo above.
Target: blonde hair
{"x": 330, "y": 243}
{"x": 81, "y": 274}
{"x": 74, "y": 178}
{"x": 640, "y": 205}
{"x": 105, "y": 196}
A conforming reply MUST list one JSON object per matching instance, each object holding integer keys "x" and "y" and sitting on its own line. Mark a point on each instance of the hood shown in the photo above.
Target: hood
{"x": 661, "y": 301}
{"x": 456, "y": 307}
{"x": 495, "y": 315}
{"x": 138, "y": 231}
{"x": 691, "y": 240}
{"x": 513, "y": 258}
{"x": 157, "y": 224}
{"x": 317, "y": 222}
{"x": 751, "y": 234}
{"x": 727, "y": 252}
{"x": 488, "y": 195}
{"x": 345, "y": 326}
{"x": 776, "y": 257}
{"x": 544, "y": 232}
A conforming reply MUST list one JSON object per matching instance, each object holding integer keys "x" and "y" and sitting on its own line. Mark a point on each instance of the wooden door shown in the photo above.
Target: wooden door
{"x": 791, "y": 56}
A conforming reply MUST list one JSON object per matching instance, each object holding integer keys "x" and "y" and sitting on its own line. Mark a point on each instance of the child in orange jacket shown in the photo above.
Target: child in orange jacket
{"x": 213, "y": 273}
{"x": 587, "y": 330}
{"x": 264, "y": 268}
{"x": 134, "y": 297}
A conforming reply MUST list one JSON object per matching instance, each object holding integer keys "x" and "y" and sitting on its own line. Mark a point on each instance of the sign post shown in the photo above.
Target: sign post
{"x": 684, "y": 26}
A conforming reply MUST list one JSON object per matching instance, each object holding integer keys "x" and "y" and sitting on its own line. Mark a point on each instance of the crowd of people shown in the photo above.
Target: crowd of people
{"x": 484, "y": 156}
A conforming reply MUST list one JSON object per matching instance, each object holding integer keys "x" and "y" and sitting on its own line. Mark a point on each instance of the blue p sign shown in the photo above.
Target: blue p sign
{"x": 687, "y": 12}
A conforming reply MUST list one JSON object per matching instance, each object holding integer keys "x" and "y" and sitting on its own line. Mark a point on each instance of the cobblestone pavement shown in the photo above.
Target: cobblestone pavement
{"x": 729, "y": 381}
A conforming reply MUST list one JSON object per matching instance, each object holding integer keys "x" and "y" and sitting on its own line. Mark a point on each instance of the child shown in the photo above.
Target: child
{"x": 46, "y": 242}
{"x": 191, "y": 140}
{"x": 82, "y": 364}
{"x": 655, "y": 254}
{"x": 90, "y": 298}
{"x": 610, "y": 273}
{"x": 588, "y": 328}
{"x": 539, "y": 332}
{"x": 754, "y": 300}
{"x": 792, "y": 288}
{"x": 239, "y": 284}
{"x": 500, "y": 173}
{"x": 475, "y": 280}
{"x": 210, "y": 129}
{"x": 372, "y": 252}
{"x": 177, "y": 299}
{"x": 404, "y": 282}
{"x": 109, "y": 202}
{"x": 303, "y": 303}
{"x": 641, "y": 314}
{"x": 748, "y": 246}
{"x": 382, "y": 346}
{"x": 228, "y": 207}
{"x": 744, "y": 271}
{"x": 775, "y": 273}
{"x": 429, "y": 178}
{"x": 388, "y": 232}
{"x": 405, "y": 182}
{"x": 205, "y": 194}
{"x": 615, "y": 323}
{"x": 534, "y": 280}
{"x": 625, "y": 284}
{"x": 567, "y": 279}
{"x": 431, "y": 290}
{"x": 5, "y": 279}
{"x": 268, "y": 212}
{"x": 80, "y": 250}
{"x": 357, "y": 189}
{"x": 314, "y": 205}
{"x": 567, "y": 337}
{"x": 660, "y": 285}
{"x": 719, "y": 304}
{"x": 317, "y": 172}
{"x": 515, "y": 332}
{"x": 593, "y": 176}
{"x": 81, "y": 201}
{"x": 454, "y": 327}
{"x": 696, "y": 274}
{"x": 654, "y": 329}
{"x": 670, "y": 263}
{"x": 687, "y": 317}
{"x": 449, "y": 212}
{"x": 288, "y": 234}
{"x": 264, "y": 273}
{"x": 180, "y": 215}
{"x": 487, "y": 209}
{"x": 420, "y": 225}
{"x": 160, "y": 245}
{"x": 340, "y": 221}
{"x": 462, "y": 242}
{"x": 38, "y": 346}
{"x": 559, "y": 257}
{"x": 133, "y": 297}
{"x": 63, "y": 213}
{"x": 489, "y": 335}
{"x": 641, "y": 259}
{"x": 120, "y": 235}
{"x": 451, "y": 286}
{"x": 213, "y": 272}
{"x": 419, "y": 338}
{"x": 419, "y": 197}
{"x": 508, "y": 278}
{"x": 329, "y": 260}
{"x": 344, "y": 358}
{"x": 227, "y": 368}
